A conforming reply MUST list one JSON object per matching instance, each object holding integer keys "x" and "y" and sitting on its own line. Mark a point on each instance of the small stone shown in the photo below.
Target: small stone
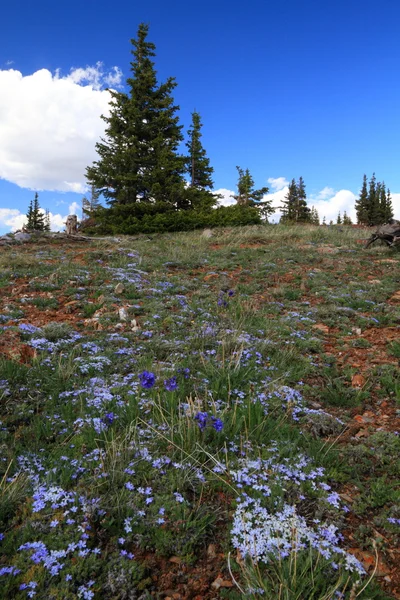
{"x": 356, "y": 330}
{"x": 119, "y": 288}
{"x": 211, "y": 553}
{"x": 176, "y": 560}
{"x": 217, "y": 583}
{"x": 123, "y": 314}
{"x": 357, "y": 381}
{"x": 207, "y": 233}
{"x": 134, "y": 325}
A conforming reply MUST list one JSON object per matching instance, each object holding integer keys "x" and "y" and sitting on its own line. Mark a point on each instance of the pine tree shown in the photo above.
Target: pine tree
{"x": 29, "y": 216}
{"x": 89, "y": 205}
{"x": 198, "y": 164}
{"x": 138, "y": 159}
{"x": 198, "y": 168}
{"x": 289, "y": 203}
{"x": 248, "y": 196}
{"x": 362, "y": 204}
{"x": 324, "y": 220}
{"x": 35, "y": 216}
{"x": 388, "y": 209}
{"x": 303, "y": 211}
{"x": 374, "y": 206}
{"x": 373, "y": 201}
{"x": 47, "y": 225}
{"x": 339, "y": 219}
{"x": 314, "y": 216}
{"x": 346, "y": 219}
{"x": 295, "y": 208}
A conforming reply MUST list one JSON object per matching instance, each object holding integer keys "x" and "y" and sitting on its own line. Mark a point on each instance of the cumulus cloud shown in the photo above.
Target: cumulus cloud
{"x": 49, "y": 125}
{"x": 226, "y": 199}
{"x": 326, "y": 192}
{"x": 278, "y": 183}
{"x": 329, "y": 207}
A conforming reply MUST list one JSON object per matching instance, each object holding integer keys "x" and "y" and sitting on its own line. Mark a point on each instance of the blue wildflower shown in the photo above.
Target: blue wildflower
{"x": 217, "y": 424}
{"x": 147, "y": 379}
{"x": 171, "y": 384}
{"x": 202, "y": 419}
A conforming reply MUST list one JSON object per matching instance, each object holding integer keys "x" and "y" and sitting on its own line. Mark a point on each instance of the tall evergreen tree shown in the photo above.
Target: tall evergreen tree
{"x": 138, "y": 158}
{"x": 198, "y": 165}
{"x": 362, "y": 204}
{"x": 339, "y": 219}
{"x": 89, "y": 205}
{"x": 47, "y": 225}
{"x": 303, "y": 211}
{"x": 346, "y": 219}
{"x": 314, "y": 216}
{"x": 247, "y": 195}
{"x": 289, "y": 203}
{"x": 388, "y": 208}
{"x": 198, "y": 168}
{"x": 29, "y": 216}
{"x": 374, "y": 205}
{"x": 35, "y": 216}
{"x": 295, "y": 208}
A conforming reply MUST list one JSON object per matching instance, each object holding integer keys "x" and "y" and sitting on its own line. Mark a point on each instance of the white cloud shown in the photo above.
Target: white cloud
{"x": 74, "y": 209}
{"x": 329, "y": 207}
{"x": 49, "y": 125}
{"x": 278, "y": 183}
{"x": 11, "y": 218}
{"x": 325, "y": 193}
{"x": 226, "y": 199}
{"x": 95, "y": 76}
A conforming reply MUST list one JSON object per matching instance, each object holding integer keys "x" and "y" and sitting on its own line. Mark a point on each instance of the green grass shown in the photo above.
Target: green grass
{"x": 230, "y": 323}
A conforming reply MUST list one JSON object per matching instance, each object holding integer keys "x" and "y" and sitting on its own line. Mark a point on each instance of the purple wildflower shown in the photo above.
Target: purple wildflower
{"x": 201, "y": 418}
{"x": 171, "y": 384}
{"x": 147, "y": 379}
{"x": 217, "y": 424}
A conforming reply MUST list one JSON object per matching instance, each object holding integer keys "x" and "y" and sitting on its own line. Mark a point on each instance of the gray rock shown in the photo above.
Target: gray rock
{"x": 22, "y": 237}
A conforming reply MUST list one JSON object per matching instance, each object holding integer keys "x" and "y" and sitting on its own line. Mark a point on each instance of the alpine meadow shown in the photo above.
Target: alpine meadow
{"x": 198, "y": 402}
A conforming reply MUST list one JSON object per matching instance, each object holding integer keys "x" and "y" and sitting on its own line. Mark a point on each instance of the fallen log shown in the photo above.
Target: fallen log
{"x": 389, "y": 233}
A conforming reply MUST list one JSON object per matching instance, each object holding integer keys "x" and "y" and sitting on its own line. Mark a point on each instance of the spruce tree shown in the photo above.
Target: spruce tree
{"x": 35, "y": 216}
{"x": 198, "y": 164}
{"x": 339, "y": 219}
{"x": 295, "y": 208}
{"x": 47, "y": 225}
{"x": 362, "y": 204}
{"x": 314, "y": 216}
{"x": 373, "y": 201}
{"x": 138, "y": 158}
{"x": 303, "y": 213}
{"x": 198, "y": 168}
{"x": 346, "y": 219}
{"x": 89, "y": 205}
{"x": 29, "y": 216}
{"x": 248, "y": 196}
{"x": 388, "y": 209}
{"x": 289, "y": 203}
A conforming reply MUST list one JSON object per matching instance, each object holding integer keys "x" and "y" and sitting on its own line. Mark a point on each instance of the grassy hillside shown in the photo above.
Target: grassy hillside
{"x": 197, "y": 418}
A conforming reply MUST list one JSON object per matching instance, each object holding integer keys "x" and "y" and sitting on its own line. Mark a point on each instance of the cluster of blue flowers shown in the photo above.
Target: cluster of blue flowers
{"x": 203, "y": 419}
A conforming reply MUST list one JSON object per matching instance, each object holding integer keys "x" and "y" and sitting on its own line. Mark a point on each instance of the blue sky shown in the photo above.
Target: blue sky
{"x": 285, "y": 88}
